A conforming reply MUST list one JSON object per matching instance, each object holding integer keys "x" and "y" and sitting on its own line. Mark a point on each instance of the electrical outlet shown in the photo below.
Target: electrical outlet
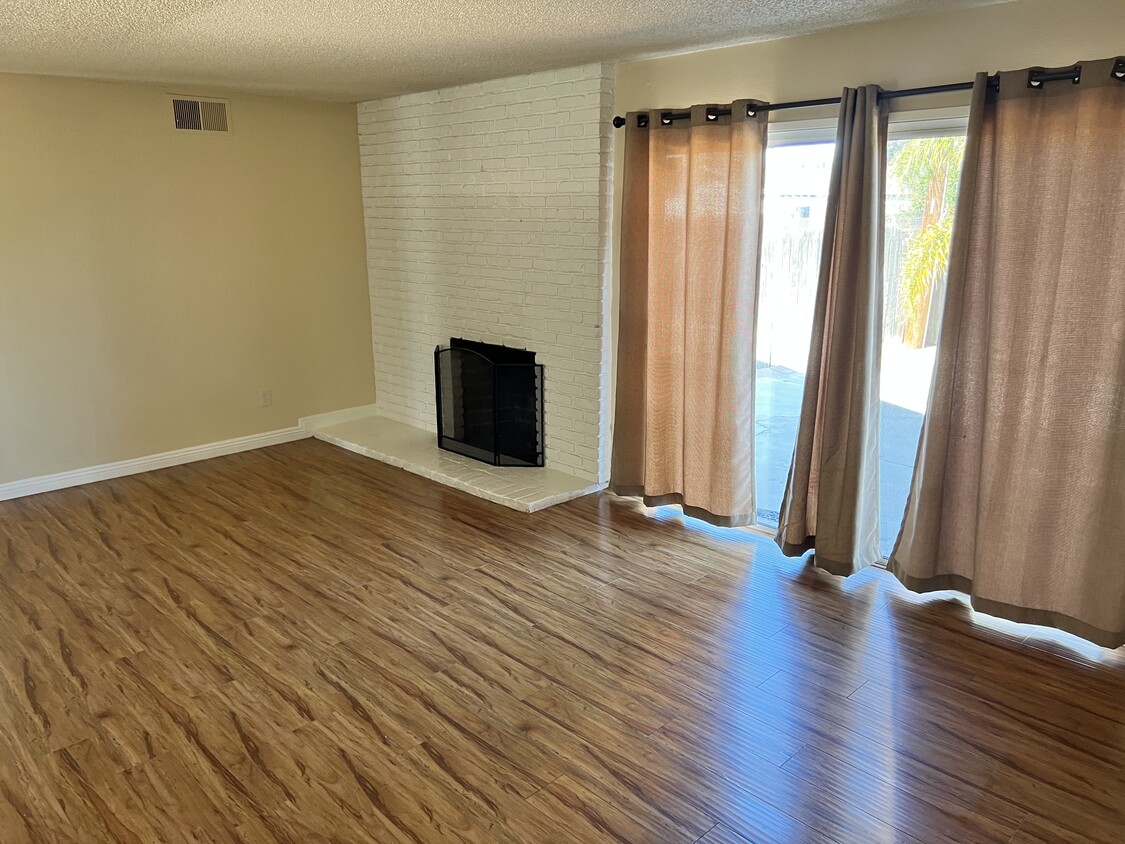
{"x": 266, "y": 398}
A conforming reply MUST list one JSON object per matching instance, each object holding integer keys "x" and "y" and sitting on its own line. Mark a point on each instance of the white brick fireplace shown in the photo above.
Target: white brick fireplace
{"x": 487, "y": 212}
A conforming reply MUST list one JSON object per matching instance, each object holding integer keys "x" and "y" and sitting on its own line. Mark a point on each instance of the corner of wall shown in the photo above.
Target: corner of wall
{"x": 605, "y": 175}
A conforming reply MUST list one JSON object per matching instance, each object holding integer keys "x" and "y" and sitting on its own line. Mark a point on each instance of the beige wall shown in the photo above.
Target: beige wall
{"x": 904, "y": 53}
{"x": 152, "y": 282}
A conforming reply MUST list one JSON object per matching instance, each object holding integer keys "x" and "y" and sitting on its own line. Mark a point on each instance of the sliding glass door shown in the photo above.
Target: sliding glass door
{"x": 922, "y": 182}
{"x": 796, "y": 197}
{"x": 923, "y": 175}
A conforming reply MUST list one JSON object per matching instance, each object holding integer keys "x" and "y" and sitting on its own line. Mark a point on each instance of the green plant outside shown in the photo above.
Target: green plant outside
{"x": 928, "y": 171}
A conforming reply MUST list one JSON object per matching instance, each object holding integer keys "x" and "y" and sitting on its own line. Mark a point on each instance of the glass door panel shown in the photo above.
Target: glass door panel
{"x": 923, "y": 176}
{"x": 796, "y": 196}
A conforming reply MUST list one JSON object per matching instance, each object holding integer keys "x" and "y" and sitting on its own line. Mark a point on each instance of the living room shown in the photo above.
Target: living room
{"x": 625, "y": 422}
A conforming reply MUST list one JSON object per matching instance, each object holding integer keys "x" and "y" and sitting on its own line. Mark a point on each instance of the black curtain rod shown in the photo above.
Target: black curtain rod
{"x": 1035, "y": 78}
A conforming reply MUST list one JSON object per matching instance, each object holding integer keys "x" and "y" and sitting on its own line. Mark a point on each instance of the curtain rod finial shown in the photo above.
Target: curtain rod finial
{"x": 618, "y": 122}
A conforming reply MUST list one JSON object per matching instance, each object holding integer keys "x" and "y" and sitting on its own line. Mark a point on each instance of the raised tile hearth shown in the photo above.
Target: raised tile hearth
{"x": 416, "y": 450}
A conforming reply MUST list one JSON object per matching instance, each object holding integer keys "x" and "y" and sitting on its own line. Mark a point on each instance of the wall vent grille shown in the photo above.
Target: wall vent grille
{"x": 197, "y": 115}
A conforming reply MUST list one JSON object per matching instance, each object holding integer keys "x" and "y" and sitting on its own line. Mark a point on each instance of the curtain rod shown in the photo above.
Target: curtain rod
{"x": 1035, "y": 78}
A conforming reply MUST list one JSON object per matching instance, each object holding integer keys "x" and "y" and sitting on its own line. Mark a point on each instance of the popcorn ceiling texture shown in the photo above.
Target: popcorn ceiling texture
{"x": 360, "y": 49}
{"x": 487, "y": 214}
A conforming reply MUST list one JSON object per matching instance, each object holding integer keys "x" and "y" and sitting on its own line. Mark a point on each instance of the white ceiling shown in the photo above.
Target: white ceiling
{"x": 362, "y": 49}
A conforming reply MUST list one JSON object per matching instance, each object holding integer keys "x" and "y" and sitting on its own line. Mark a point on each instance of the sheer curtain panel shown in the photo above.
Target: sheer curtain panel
{"x": 691, "y": 220}
{"x": 1018, "y": 495}
{"x": 831, "y": 501}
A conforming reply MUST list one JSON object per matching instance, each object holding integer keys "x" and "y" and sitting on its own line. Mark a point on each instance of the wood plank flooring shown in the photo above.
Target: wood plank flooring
{"x": 301, "y": 645}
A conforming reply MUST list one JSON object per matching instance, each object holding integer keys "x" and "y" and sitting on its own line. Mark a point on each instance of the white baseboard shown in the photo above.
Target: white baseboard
{"x": 322, "y": 420}
{"x": 305, "y": 428}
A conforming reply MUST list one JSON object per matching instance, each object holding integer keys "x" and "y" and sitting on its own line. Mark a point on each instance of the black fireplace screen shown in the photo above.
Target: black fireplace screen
{"x": 490, "y": 402}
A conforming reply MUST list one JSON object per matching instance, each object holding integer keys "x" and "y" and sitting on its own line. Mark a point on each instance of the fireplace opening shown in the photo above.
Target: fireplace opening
{"x": 489, "y": 402}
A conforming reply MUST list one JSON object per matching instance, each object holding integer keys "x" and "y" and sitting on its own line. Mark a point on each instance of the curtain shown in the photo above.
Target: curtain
{"x": 831, "y": 501}
{"x": 1018, "y": 495}
{"x": 691, "y": 220}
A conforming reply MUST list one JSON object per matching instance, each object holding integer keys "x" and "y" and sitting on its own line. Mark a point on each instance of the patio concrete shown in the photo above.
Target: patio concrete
{"x": 778, "y": 398}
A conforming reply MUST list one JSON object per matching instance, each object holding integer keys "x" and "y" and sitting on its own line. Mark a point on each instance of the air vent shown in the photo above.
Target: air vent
{"x": 197, "y": 115}
{"x": 214, "y": 115}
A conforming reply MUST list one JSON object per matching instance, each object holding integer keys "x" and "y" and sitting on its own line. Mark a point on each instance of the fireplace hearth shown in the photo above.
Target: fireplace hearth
{"x": 489, "y": 402}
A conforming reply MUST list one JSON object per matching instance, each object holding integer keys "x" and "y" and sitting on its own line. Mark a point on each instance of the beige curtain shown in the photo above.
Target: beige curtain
{"x": 684, "y": 423}
{"x": 1018, "y": 495}
{"x": 832, "y": 495}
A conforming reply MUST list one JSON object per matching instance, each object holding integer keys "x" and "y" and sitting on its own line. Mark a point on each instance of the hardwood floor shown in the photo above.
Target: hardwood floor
{"x": 302, "y": 645}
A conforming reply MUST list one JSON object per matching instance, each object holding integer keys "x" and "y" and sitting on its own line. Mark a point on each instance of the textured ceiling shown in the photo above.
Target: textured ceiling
{"x": 360, "y": 49}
